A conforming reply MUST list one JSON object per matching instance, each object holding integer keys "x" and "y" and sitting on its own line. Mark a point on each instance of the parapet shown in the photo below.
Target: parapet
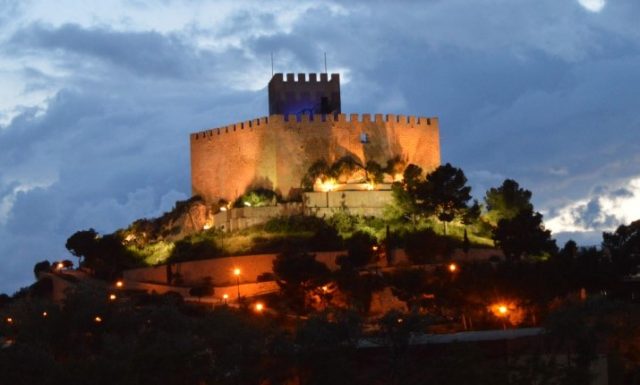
{"x": 298, "y": 95}
{"x": 302, "y": 78}
{"x": 304, "y": 119}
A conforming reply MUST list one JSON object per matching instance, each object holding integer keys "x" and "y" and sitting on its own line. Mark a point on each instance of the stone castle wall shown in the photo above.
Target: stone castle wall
{"x": 276, "y": 152}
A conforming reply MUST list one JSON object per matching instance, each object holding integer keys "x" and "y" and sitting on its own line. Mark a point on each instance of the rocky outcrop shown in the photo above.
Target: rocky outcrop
{"x": 187, "y": 218}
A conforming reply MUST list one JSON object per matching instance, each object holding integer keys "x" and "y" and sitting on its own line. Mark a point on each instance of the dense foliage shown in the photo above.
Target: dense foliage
{"x": 142, "y": 339}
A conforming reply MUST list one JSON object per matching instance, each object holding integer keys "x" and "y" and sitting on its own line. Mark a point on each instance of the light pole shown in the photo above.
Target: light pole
{"x": 236, "y": 272}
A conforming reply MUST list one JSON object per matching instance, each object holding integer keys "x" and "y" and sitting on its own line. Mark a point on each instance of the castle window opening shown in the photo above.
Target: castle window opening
{"x": 364, "y": 138}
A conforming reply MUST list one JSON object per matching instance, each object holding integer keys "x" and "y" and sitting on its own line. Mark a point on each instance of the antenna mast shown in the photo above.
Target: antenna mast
{"x": 325, "y": 63}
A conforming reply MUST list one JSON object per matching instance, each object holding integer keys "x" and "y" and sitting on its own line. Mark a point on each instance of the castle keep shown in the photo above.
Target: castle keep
{"x": 305, "y": 125}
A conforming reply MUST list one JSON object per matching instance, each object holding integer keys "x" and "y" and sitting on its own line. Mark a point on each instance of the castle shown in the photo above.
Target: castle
{"x": 305, "y": 124}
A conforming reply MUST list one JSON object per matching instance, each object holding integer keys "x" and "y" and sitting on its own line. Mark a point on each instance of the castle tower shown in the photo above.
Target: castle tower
{"x": 302, "y": 96}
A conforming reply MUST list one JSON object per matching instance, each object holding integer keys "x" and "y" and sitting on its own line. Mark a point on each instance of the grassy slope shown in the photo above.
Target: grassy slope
{"x": 271, "y": 238}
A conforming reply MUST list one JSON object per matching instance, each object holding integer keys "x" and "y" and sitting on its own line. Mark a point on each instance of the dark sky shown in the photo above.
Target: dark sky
{"x": 97, "y": 101}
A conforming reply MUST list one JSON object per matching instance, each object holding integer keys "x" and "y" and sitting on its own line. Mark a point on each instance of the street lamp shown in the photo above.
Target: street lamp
{"x": 259, "y": 307}
{"x": 225, "y": 297}
{"x": 236, "y": 272}
{"x": 453, "y": 267}
{"x": 119, "y": 284}
{"x": 501, "y": 310}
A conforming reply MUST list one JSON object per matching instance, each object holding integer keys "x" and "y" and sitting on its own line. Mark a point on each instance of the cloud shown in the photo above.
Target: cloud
{"x": 603, "y": 210}
{"x": 593, "y": 5}
{"x": 143, "y": 53}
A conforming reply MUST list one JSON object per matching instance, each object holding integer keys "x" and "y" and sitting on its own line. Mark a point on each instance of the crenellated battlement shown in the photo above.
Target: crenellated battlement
{"x": 310, "y": 120}
{"x": 302, "y": 78}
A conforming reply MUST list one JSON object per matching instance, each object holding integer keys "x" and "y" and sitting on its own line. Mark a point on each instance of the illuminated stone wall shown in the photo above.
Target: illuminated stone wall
{"x": 220, "y": 270}
{"x": 275, "y": 152}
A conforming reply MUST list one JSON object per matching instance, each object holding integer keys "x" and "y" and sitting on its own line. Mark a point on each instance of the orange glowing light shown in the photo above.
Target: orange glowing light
{"x": 119, "y": 284}
{"x": 453, "y": 267}
{"x": 98, "y": 319}
{"x": 374, "y": 248}
{"x": 502, "y": 309}
{"x": 112, "y": 297}
{"x": 259, "y": 307}
{"x": 59, "y": 265}
{"x": 44, "y": 314}
{"x": 9, "y": 320}
{"x": 236, "y": 272}
{"x": 225, "y": 296}
{"x": 325, "y": 186}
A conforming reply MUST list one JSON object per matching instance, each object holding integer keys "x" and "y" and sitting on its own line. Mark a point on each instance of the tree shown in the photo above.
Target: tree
{"x": 405, "y": 195}
{"x": 40, "y": 267}
{"x": 298, "y": 272}
{"x": 472, "y": 214}
{"x": 445, "y": 193}
{"x": 523, "y": 235}
{"x": 359, "y": 251}
{"x": 82, "y": 244}
{"x": 466, "y": 245}
{"x": 190, "y": 250}
{"x": 319, "y": 169}
{"x": 506, "y": 201}
{"x": 344, "y": 167}
{"x": 375, "y": 172}
{"x": 624, "y": 247}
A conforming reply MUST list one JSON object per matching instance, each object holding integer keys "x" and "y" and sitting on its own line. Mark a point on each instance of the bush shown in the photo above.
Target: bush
{"x": 184, "y": 250}
{"x": 258, "y": 197}
{"x": 294, "y": 224}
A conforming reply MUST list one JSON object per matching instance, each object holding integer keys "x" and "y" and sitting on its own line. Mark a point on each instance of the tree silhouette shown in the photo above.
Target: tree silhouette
{"x": 298, "y": 272}
{"x": 83, "y": 244}
{"x": 523, "y": 235}
{"x": 624, "y": 247}
{"x": 445, "y": 193}
{"x": 506, "y": 201}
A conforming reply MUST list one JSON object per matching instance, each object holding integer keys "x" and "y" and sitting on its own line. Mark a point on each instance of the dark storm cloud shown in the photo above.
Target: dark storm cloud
{"x": 143, "y": 53}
